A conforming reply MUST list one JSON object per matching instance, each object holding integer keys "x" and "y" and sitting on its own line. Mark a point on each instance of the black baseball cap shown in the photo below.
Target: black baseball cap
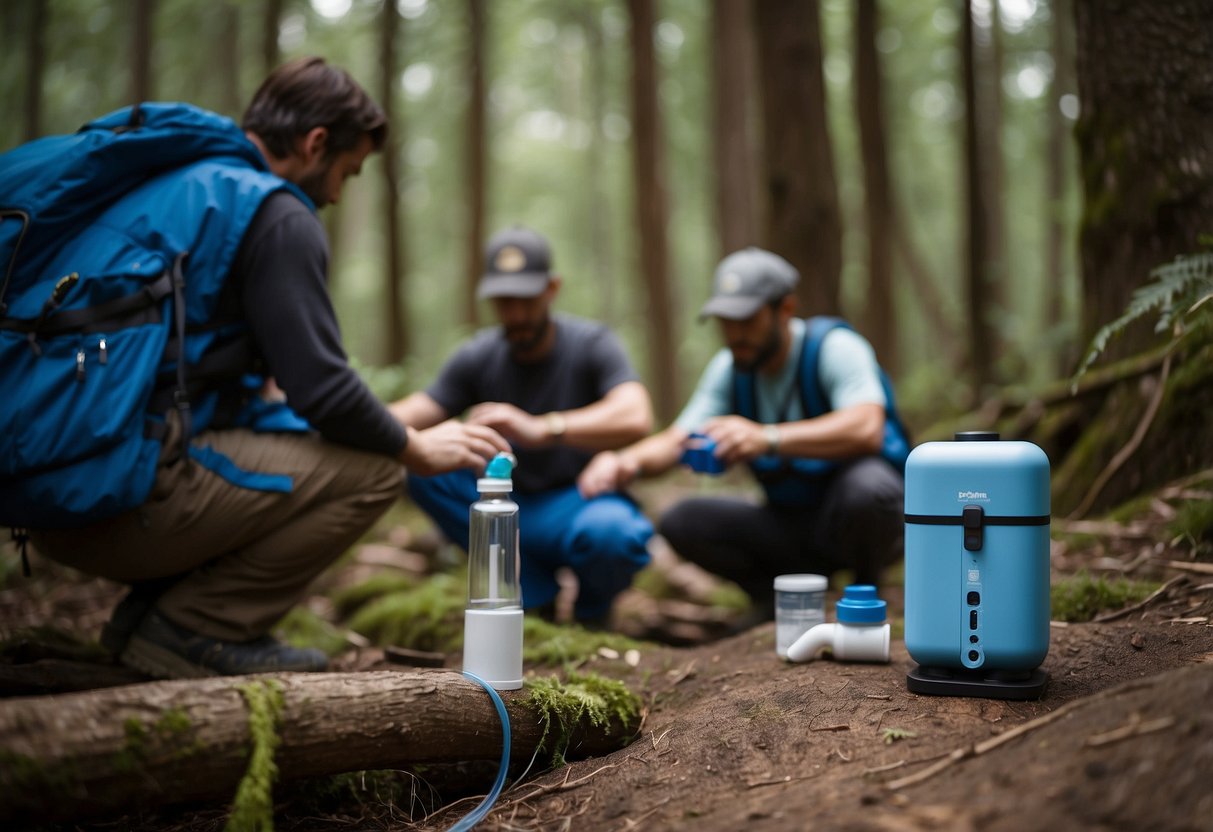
{"x": 517, "y": 264}
{"x": 745, "y": 281}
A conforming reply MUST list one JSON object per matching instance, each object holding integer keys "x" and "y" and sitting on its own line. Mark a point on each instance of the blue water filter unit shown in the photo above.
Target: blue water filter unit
{"x": 977, "y": 567}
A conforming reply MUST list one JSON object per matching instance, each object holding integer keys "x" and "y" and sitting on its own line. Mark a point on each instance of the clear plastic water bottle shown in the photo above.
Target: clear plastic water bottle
{"x": 492, "y": 621}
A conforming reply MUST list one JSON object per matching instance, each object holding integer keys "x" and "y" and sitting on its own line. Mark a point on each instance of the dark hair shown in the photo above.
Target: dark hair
{"x": 307, "y": 93}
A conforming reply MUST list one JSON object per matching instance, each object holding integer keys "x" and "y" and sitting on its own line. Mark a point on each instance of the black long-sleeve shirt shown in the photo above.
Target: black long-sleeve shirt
{"x": 278, "y": 281}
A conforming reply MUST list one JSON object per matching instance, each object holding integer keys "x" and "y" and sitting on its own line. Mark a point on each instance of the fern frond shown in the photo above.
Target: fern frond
{"x": 1176, "y": 290}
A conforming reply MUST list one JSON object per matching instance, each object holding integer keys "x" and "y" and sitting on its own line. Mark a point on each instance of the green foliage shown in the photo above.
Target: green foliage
{"x": 429, "y": 617}
{"x": 253, "y": 808}
{"x": 564, "y": 705}
{"x": 1193, "y": 522}
{"x": 1178, "y": 290}
{"x": 1082, "y": 597}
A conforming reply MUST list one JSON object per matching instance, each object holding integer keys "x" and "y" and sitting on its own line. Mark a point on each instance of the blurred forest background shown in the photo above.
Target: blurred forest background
{"x": 917, "y": 161}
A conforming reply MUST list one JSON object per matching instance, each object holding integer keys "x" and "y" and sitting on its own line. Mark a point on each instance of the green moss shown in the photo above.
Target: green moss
{"x": 351, "y": 598}
{"x": 253, "y": 808}
{"x": 1193, "y": 522}
{"x": 1081, "y": 597}
{"x": 587, "y": 697}
{"x": 20, "y": 774}
{"x": 303, "y": 628}
{"x": 729, "y": 596}
{"x": 429, "y": 617}
{"x": 567, "y": 645}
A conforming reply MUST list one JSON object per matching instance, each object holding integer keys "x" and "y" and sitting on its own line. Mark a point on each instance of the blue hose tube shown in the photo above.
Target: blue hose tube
{"x": 476, "y": 815}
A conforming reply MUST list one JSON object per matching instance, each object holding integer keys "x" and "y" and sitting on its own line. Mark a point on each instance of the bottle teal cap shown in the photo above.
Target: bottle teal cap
{"x": 501, "y": 467}
{"x": 859, "y": 605}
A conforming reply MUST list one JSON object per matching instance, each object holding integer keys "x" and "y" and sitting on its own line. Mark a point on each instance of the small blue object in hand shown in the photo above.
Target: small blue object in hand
{"x": 699, "y": 454}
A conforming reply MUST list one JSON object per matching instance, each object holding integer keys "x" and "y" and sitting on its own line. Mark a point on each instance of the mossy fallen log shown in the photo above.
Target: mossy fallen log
{"x": 109, "y": 751}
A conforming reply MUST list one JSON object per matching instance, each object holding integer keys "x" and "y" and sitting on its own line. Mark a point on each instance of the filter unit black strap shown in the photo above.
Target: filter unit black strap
{"x": 988, "y": 519}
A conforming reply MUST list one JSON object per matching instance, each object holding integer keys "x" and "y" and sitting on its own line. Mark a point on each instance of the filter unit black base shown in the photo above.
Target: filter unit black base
{"x": 987, "y": 684}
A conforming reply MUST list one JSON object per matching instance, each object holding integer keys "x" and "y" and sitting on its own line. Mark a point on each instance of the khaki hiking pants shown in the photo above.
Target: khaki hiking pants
{"x": 246, "y": 557}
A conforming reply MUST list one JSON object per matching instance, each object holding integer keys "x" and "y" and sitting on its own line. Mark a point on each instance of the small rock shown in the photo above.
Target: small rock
{"x": 1137, "y": 641}
{"x": 632, "y": 657}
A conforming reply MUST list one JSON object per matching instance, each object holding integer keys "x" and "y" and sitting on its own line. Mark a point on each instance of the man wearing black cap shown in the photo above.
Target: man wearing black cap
{"x": 560, "y": 389}
{"x": 806, "y": 406}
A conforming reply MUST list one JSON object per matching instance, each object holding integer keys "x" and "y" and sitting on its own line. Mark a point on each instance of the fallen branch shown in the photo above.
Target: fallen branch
{"x": 1135, "y": 728}
{"x": 1187, "y": 566}
{"x": 105, "y": 751}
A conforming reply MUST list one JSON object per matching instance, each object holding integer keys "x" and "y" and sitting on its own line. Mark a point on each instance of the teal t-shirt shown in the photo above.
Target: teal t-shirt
{"x": 846, "y": 367}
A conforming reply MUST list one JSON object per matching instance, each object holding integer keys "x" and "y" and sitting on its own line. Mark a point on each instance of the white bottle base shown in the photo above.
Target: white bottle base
{"x": 492, "y": 646}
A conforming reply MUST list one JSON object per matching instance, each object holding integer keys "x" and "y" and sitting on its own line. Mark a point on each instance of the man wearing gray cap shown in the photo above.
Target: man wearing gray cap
{"x": 805, "y": 405}
{"x": 559, "y": 389}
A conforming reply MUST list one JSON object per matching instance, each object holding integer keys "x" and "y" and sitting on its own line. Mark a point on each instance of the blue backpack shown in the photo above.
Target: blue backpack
{"x": 790, "y": 481}
{"x": 114, "y": 244}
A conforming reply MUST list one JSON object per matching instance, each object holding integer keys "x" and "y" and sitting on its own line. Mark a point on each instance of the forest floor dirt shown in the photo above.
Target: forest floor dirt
{"x": 734, "y": 738}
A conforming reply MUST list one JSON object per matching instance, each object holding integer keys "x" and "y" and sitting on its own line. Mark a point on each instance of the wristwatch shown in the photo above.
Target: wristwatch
{"x": 771, "y": 432}
{"x": 556, "y": 424}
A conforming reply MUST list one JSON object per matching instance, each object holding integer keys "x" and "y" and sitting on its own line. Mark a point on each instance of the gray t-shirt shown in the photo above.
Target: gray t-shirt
{"x": 586, "y": 362}
{"x": 846, "y": 368}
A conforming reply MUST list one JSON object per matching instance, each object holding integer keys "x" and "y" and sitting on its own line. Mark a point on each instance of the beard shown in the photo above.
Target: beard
{"x": 766, "y": 351}
{"x": 313, "y": 185}
{"x": 524, "y": 338}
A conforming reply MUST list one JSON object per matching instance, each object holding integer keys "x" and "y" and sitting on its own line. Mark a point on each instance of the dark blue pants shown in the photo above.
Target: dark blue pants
{"x": 857, "y": 525}
{"x": 603, "y": 540}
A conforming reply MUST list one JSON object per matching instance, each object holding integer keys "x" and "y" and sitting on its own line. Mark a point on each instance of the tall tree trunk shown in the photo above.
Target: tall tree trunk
{"x": 989, "y": 144}
{"x": 597, "y": 198}
{"x": 732, "y": 86}
{"x": 271, "y": 17}
{"x": 35, "y": 64}
{"x": 804, "y": 220}
{"x": 394, "y": 277}
{"x": 981, "y": 356}
{"x": 880, "y": 325}
{"x": 475, "y": 160}
{"x": 1145, "y": 138}
{"x": 142, "y": 24}
{"x": 651, "y": 211}
{"x": 229, "y": 57}
{"x": 1057, "y": 168}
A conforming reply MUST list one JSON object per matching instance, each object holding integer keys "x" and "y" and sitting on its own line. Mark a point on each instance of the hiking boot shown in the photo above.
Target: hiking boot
{"x": 116, "y": 633}
{"x": 166, "y": 650}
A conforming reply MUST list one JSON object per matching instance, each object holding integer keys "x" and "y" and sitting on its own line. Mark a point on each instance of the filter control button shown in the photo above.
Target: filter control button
{"x": 974, "y": 598}
{"x": 973, "y": 619}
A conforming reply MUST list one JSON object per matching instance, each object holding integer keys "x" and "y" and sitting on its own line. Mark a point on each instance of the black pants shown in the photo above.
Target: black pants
{"x": 857, "y": 525}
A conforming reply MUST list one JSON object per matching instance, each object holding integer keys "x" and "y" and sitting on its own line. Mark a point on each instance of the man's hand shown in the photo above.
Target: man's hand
{"x": 608, "y": 471}
{"x": 523, "y": 429}
{"x": 451, "y": 445}
{"x": 737, "y": 438}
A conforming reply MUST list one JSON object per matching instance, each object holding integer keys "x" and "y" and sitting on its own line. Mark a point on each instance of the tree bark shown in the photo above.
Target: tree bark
{"x": 271, "y": 17}
{"x": 879, "y": 322}
{"x": 35, "y": 64}
{"x": 981, "y": 356}
{"x": 732, "y": 86}
{"x": 229, "y": 52}
{"x": 804, "y": 220}
{"x": 142, "y": 24}
{"x": 1057, "y": 167}
{"x": 108, "y": 751}
{"x": 475, "y": 151}
{"x": 1145, "y": 138}
{"x": 597, "y": 196}
{"x": 395, "y": 312}
{"x": 651, "y": 212}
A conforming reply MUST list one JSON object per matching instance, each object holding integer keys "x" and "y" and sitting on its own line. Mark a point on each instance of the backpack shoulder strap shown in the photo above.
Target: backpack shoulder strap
{"x": 812, "y": 395}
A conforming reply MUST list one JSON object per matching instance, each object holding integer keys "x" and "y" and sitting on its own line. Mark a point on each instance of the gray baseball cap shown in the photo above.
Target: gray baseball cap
{"x": 745, "y": 281}
{"x": 517, "y": 264}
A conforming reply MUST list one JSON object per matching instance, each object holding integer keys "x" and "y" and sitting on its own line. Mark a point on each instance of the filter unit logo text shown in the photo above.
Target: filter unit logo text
{"x": 972, "y": 495}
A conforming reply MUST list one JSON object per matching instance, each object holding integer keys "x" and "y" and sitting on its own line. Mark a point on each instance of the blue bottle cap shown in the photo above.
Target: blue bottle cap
{"x": 500, "y": 467}
{"x": 859, "y": 605}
